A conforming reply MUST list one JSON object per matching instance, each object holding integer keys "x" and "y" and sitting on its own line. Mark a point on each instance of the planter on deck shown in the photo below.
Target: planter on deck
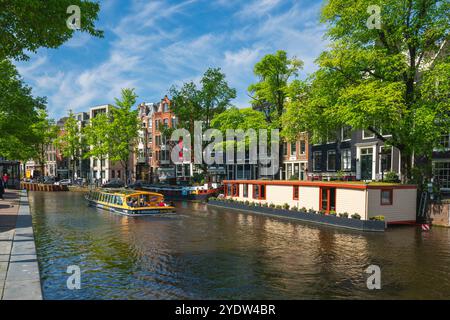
{"x": 349, "y": 223}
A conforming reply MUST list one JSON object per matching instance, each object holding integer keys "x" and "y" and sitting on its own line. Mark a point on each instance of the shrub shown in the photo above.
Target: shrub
{"x": 278, "y": 206}
{"x": 321, "y": 212}
{"x": 312, "y": 210}
{"x": 391, "y": 177}
{"x": 377, "y": 218}
{"x": 332, "y": 213}
{"x": 304, "y": 210}
{"x": 271, "y": 205}
{"x": 265, "y": 205}
{"x": 286, "y": 206}
{"x": 294, "y": 208}
{"x": 340, "y": 175}
{"x": 343, "y": 215}
{"x": 246, "y": 202}
{"x": 356, "y": 216}
{"x": 212, "y": 199}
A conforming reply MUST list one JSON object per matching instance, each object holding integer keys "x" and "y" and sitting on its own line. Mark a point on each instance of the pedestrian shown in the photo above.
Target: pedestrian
{"x": 2, "y": 189}
{"x": 5, "y": 180}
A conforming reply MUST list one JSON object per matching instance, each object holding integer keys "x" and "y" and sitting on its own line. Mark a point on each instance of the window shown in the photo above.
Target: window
{"x": 259, "y": 192}
{"x": 385, "y": 159}
{"x": 317, "y": 158}
{"x": 245, "y": 190}
{"x": 331, "y": 160}
{"x": 166, "y": 123}
{"x": 444, "y": 141}
{"x": 367, "y": 134}
{"x": 441, "y": 172}
{"x": 346, "y": 133}
{"x": 293, "y": 149}
{"x": 285, "y": 149}
{"x": 331, "y": 136}
{"x": 295, "y": 192}
{"x": 302, "y": 146}
{"x": 165, "y": 107}
{"x": 113, "y": 174}
{"x": 228, "y": 190}
{"x": 174, "y": 122}
{"x": 235, "y": 190}
{"x": 346, "y": 159}
{"x": 387, "y": 197}
{"x": 156, "y": 124}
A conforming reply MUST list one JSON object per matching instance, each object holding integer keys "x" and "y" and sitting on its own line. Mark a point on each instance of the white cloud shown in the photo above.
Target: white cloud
{"x": 257, "y": 8}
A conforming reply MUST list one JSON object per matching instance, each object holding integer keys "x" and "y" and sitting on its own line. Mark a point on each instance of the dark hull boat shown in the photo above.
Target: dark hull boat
{"x": 189, "y": 193}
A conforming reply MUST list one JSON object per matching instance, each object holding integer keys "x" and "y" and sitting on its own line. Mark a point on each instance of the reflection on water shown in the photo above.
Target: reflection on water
{"x": 211, "y": 253}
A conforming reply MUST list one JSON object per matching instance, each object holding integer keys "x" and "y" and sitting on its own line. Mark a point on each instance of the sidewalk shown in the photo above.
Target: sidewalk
{"x": 19, "y": 272}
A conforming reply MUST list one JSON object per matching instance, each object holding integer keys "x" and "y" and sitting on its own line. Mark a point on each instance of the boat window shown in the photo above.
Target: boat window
{"x": 119, "y": 201}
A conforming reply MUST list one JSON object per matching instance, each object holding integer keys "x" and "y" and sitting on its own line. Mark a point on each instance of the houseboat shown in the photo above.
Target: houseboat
{"x": 395, "y": 202}
{"x": 190, "y": 193}
{"x": 129, "y": 202}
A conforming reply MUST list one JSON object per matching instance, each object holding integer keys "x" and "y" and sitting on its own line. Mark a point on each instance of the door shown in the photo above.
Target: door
{"x": 366, "y": 163}
{"x": 328, "y": 199}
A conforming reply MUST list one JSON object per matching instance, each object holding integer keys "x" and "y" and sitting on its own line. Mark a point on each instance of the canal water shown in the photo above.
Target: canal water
{"x": 211, "y": 253}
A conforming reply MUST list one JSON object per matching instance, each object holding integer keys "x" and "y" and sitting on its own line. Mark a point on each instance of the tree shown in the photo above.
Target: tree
{"x": 191, "y": 103}
{"x": 97, "y": 135}
{"x": 19, "y": 112}
{"x": 44, "y": 133}
{"x": 27, "y": 25}
{"x": 270, "y": 92}
{"x": 383, "y": 80}
{"x": 71, "y": 141}
{"x": 239, "y": 119}
{"x": 124, "y": 129}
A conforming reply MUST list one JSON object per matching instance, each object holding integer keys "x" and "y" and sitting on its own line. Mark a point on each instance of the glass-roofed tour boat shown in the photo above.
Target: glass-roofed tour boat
{"x": 129, "y": 202}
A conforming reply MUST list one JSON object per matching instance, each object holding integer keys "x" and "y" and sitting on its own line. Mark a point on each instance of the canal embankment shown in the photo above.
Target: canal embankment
{"x": 310, "y": 217}
{"x": 19, "y": 270}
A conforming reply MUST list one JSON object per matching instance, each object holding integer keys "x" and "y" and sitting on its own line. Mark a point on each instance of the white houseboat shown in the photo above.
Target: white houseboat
{"x": 396, "y": 202}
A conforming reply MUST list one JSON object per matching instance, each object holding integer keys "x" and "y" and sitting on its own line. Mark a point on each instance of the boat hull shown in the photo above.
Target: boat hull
{"x": 179, "y": 195}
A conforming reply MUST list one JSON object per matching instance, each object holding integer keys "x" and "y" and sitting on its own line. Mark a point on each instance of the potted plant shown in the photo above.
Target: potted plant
{"x": 343, "y": 215}
{"x": 286, "y": 206}
{"x": 356, "y": 216}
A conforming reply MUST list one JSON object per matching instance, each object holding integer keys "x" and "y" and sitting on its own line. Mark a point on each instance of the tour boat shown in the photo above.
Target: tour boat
{"x": 129, "y": 202}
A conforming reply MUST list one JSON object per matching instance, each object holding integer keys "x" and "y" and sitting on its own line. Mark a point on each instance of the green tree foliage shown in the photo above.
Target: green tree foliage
{"x": 270, "y": 92}
{"x": 97, "y": 135}
{"x": 384, "y": 80}
{"x": 44, "y": 132}
{"x": 239, "y": 119}
{"x": 124, "y": 131}
{"x": 19, "y": 112}
{"x": 191, "y": 103}
{"x": 71, "y": 141}
{"x": 27, "y": 25}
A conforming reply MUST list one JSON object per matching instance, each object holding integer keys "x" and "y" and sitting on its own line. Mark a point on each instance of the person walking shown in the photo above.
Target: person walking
{"x": 2, "y": 189}
{"x": 5, "y": 180}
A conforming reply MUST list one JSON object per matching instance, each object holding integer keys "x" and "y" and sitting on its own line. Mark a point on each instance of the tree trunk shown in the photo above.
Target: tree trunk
{"x": 405, "y": 167}
{"x": 101, "y": 170}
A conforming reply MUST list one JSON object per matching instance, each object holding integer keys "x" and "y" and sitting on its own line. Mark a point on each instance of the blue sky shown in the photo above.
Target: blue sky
{"x": 151, "y": 45}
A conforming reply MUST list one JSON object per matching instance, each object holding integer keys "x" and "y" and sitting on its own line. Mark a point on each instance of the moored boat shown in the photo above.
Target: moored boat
{"x": 129, "y": 202}
{"x": 190, "y": 193}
